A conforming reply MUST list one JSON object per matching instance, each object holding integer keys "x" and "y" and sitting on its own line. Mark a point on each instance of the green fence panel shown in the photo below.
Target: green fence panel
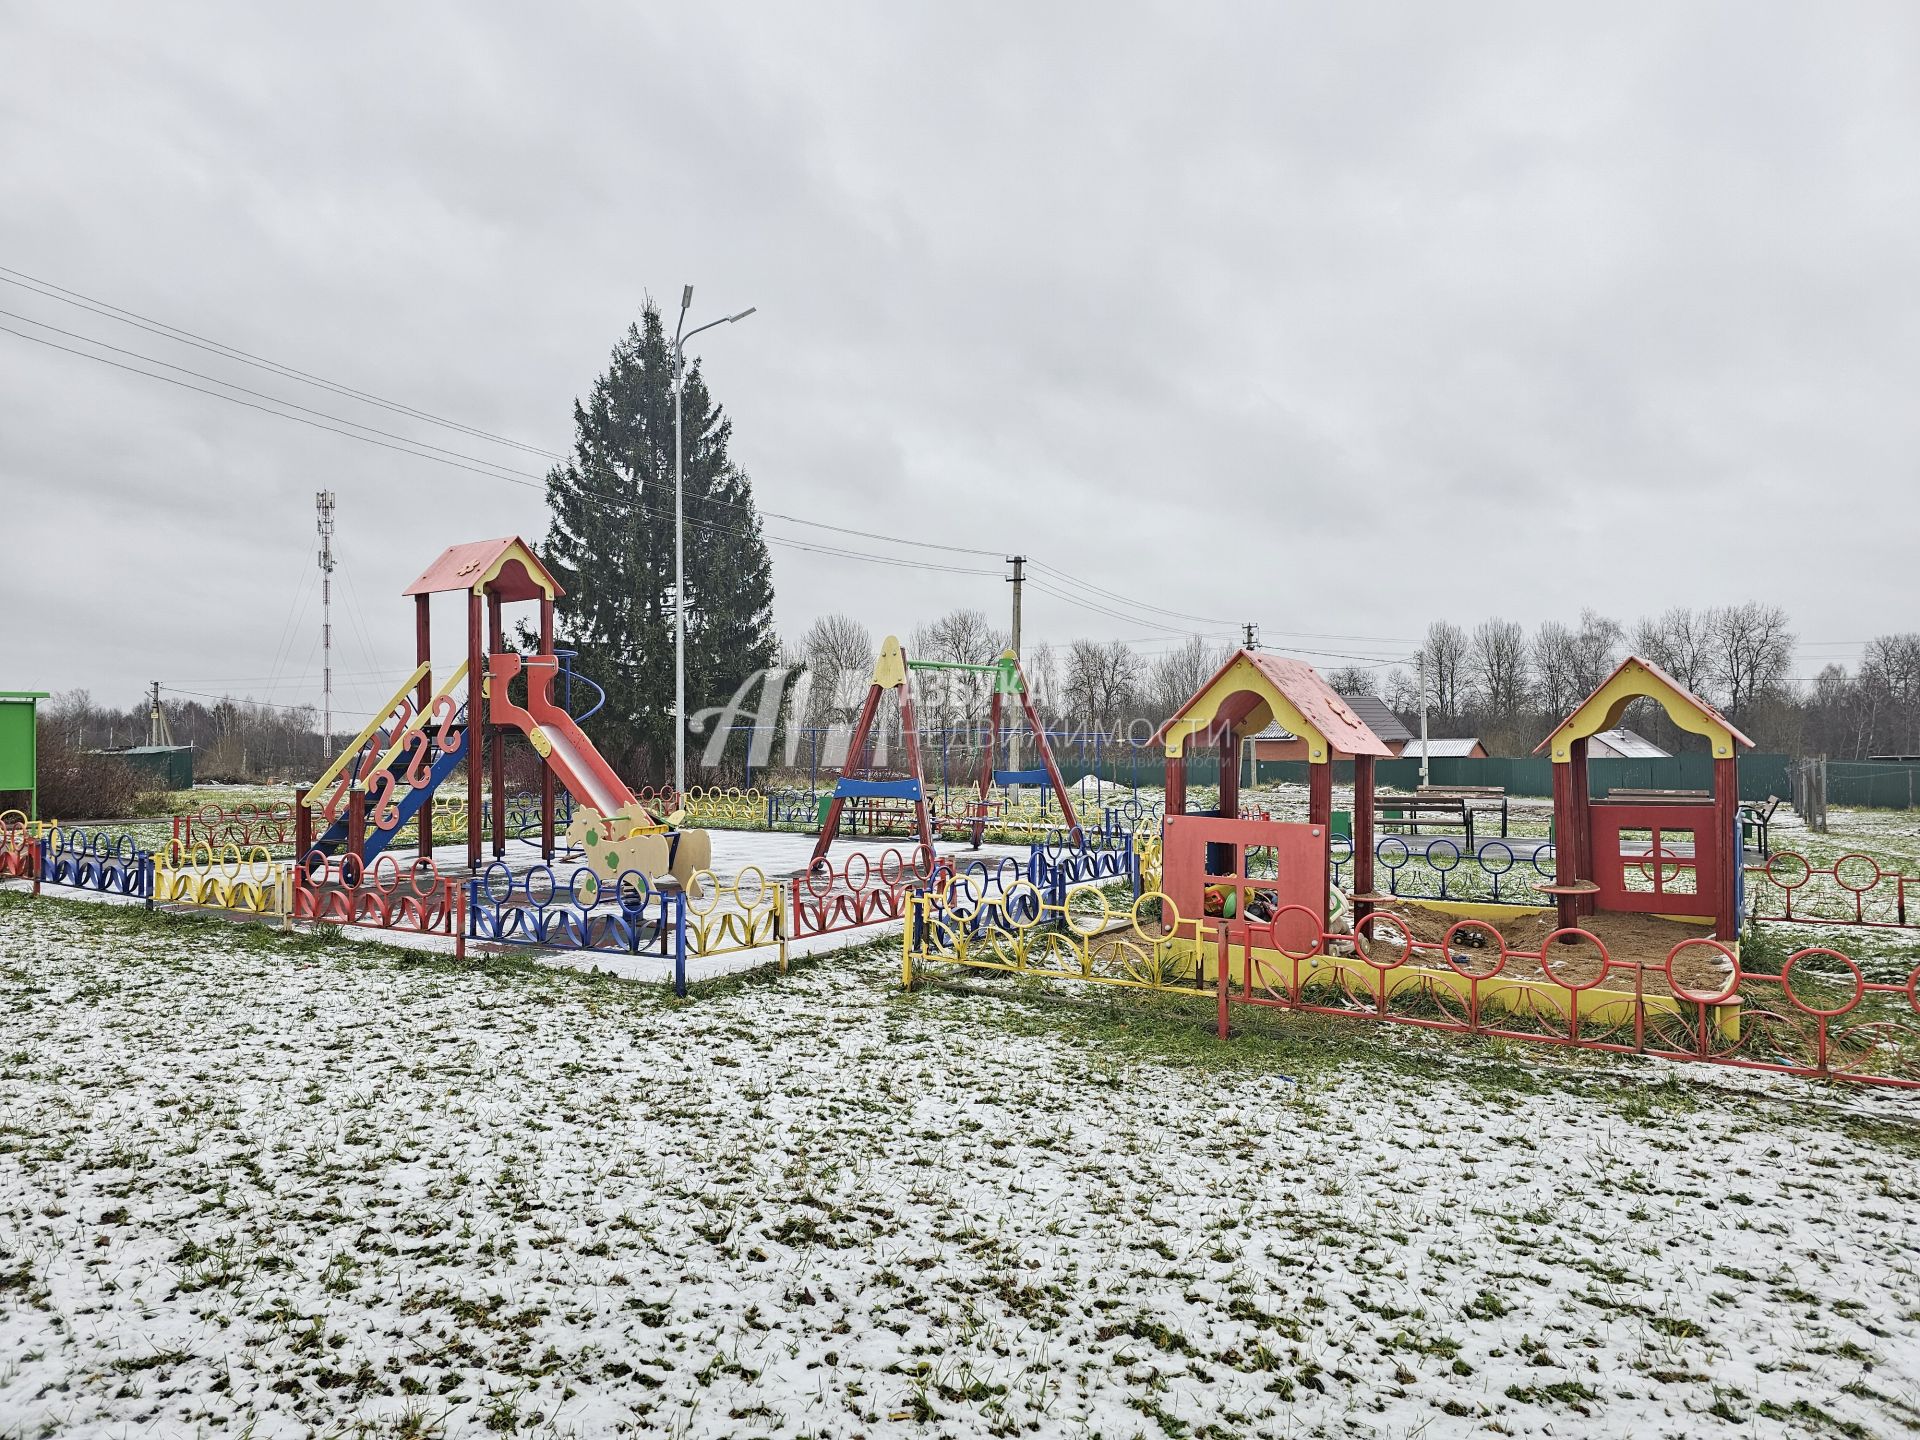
{"x": 1873, "y": 784}
{"x": 1760, "y": 775}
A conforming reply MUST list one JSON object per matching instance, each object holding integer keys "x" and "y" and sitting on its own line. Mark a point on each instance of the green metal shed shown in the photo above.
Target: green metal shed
{"x": 169, "y": 767}
{"x": 20, "y": 745}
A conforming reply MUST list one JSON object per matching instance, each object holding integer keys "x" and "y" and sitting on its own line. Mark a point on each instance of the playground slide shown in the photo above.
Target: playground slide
{"x": 555, "y": 738}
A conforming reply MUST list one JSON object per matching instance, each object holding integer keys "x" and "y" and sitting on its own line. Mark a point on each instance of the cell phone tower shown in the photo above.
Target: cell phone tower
{"x": 323, "y": 514}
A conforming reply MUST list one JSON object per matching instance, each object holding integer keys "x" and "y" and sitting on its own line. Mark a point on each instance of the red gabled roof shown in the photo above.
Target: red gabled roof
{"x": 507, "y": 566}
{"x": 1345, "y": 732}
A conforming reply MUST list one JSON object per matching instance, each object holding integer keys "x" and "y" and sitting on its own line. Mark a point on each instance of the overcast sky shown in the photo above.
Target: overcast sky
{"x": 1336, "y": 318}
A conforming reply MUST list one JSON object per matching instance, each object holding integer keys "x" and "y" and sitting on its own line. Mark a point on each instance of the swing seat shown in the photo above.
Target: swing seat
{"x": 1021, "y": 777}
{"x": 845, "y": 789}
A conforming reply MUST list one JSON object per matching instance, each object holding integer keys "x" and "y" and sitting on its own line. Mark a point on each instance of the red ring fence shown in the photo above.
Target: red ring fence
{"x": 1854, "y": 890}
{"x": 243, "y": 825}
{"x": 858, "y": 893}
{"x": 387, "y": 895}
{"x": 1819, "y": 1017}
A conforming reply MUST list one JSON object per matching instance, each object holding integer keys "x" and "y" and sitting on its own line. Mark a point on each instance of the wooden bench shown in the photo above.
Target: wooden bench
{"x": 1756, "y": 817}
{"x": 1488, "y": 798}
{"x": 1452, "y": 813}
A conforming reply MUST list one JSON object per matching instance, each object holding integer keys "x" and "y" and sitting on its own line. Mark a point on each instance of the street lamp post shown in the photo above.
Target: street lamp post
{"x": 679, "y": 535}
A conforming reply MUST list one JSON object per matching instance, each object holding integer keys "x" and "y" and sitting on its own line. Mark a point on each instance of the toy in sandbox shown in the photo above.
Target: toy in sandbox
{"x": 900, "y": 792}
{"x": 388, "y": 774}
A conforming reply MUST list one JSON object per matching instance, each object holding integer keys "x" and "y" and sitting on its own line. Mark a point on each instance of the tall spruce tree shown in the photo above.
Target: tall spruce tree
{"x": 610, "y": 544}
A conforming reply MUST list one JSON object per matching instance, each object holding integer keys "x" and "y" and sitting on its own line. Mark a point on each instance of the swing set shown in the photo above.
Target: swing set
{"x": 868, "y": 784}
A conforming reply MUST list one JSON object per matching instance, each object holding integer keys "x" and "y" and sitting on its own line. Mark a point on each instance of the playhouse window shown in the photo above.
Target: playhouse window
{"x": 1658, "y": 862}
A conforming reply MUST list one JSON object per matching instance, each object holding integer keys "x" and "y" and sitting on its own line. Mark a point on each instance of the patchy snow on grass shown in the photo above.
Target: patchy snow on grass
{"x": 281, "y": 1185}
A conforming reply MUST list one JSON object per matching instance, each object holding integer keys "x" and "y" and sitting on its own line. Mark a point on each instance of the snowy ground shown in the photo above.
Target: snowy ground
{"x": 269, "y": 1185}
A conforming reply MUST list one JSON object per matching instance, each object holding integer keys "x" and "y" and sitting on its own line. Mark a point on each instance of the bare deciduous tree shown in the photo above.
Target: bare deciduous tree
{"x": 1178, "y": 674}
{"x": 1596, "y": 651}
{"x": 1752, "y": 653}
{"x": 1103, "y": 679}
{"x": 1497, "y": 663}
{"x": 838, "y": 652}
{"x": 1354, "y": 680}
{"x": 1444, "y": 654}
{"x": 1680, "y": 642}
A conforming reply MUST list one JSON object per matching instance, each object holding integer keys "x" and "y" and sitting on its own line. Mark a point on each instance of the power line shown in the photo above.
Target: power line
{"x": 512, "y": 478}
{"x": 200, "y": 342}
{"x": 257, "y": 394}
{"x": 234, "y": 399}
{"x": 173, "y": 332}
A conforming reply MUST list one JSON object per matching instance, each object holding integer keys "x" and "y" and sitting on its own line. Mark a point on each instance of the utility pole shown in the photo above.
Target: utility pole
{"x": 1421, "y": 661}
{"x": 1017, "y": 579}
{"x": 323, "y": 517}
{"x": 1252, "y": 635}
{"x": 158, "y": 731}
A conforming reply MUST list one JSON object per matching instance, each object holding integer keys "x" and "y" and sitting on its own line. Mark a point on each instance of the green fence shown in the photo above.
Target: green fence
{"x": 1760, "y": 775}
{"x": 1873, "y": 784}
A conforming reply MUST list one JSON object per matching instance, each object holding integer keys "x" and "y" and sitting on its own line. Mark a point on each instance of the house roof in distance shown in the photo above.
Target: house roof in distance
{"x": 1457, "y": 747}
{"x": 1627, "y": 745}
{"x": 1372, "y": 711}
{"x": 1379, "y": 719}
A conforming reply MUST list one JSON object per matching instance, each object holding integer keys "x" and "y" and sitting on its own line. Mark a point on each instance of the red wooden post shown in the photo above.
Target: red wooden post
{"x": 1320, "y": 792}
{"x": 423, "y": 653}
{"x": 546, "y": 771}
{"x": 1583, "y": 905}
{"x": 302, "y": 824}
{"x": 1176, "y": 801}
{"x": 476, "y": 727}
{"x": 1229, "y": 747}
{"x": 496, "y": 642}
{"x": 356, "y": 833}
{"x": 1726, "y": 831}
{"x": 1566, "y": 850}
{"x": 1362, "y": 834}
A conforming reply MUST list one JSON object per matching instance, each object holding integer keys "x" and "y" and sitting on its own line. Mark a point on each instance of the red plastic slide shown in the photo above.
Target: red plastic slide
{"x": 554, "y": 736}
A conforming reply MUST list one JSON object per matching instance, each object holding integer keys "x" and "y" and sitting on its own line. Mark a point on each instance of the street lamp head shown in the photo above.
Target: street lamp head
{"x": 743, "y": 314}
{"x": 686, "y": 298}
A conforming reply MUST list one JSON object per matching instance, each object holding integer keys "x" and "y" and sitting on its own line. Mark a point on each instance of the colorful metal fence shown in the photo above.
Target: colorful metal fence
{"x": 858, "y": 893}
{"x": 1819, "y": 1016}
{"x": 1853, "y": 890}
{"x": 248, "y": 881}
{"x": 95, "y": 860}
{"x": 389, "y": 895}
{"x": 270, "y": 826}
{"x": 1081, "y": 938}
{"x": 535, "y": 909}
{"x": 1500, "y": 872}
{"x": 728, "y": 916}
